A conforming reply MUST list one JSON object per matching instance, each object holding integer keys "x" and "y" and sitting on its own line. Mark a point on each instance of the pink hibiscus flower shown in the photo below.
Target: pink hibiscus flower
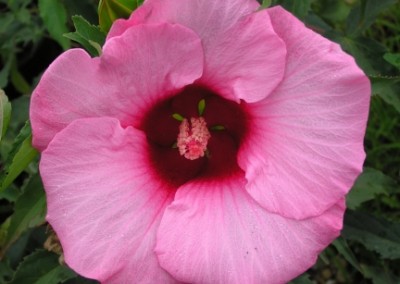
{"x": 209, "y": 143}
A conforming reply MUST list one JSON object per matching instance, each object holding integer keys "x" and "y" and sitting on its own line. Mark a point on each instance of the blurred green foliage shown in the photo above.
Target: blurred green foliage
{"x": 110, "y": 10}
{"x": 33, "y": 33}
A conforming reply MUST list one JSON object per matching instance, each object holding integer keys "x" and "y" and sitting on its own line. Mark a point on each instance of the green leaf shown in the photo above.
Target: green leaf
{"x": 18, "y": 80}
{"x": 22, "y": 153}
{"x": 367, "y": 52}
{"x": 87, "y": 9}
{"x": 343, "y": 248}
{"x": 299, "y": 8}
{"x": 374, "y": 233}
{"x": 89, "y": 36}
{"x": 84, "y": 42}
{"x": 6, "y": 272}
{"x": 29, "y": 212}
{"x": 324, "y": 257}
{"x": 42, "y": 267}
{"x": 88, "y": 31}
{"x": 388, "y": 88}
{"x": 19, "y": 116}
{"x": 265, "y": 4}
{"x": 380, "y": 276}
{"x": 5, "y": 113}
{"x": 10, "y": 194}
{"x": 363, "y": 15}
{"x": 23, "y": 15}
{"x": 4, "y": 231}
{"x": 110, "y": 10}
{"x": 54, "y": 17}
{"x": 368, "y": 185}
{"x": 393, "y": 58}
{"x": 5, "y": 71}
{"x": 334, "y": 11}
{"x": 15, "y": 5}
{"x": 303, "y": 279}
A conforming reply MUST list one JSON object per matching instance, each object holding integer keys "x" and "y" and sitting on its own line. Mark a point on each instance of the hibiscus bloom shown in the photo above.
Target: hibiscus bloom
{"x": 209, "y": 143}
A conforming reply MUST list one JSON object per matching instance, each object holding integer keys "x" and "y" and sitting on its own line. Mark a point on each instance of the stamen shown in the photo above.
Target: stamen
{"x": 178, "y": 117}
{"x": 217, "y": 127}
{"x": 193, "y": 138}
{"x": 201, "y": 107}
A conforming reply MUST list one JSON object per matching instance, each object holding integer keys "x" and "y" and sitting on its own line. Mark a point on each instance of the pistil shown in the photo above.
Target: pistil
{"x": 193, "y": 138}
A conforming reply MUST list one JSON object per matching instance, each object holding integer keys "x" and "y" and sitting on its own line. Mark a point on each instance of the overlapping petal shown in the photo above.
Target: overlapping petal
{"x": 305, "y": 144}
{"x": 240, "y": 65}
{"x": 244, "y": 58}
{"x": 208, "y": 18}
{"x": 136, "y": 70}
{"x": 214, "y": 232}
{"x": 103, "y": 202}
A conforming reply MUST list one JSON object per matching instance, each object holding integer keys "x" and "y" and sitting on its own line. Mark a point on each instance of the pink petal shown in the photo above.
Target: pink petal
{"x": 144, "y": 65}
{"x": 208, "y": 18}
{"x": 305, "y": 144}
{"x": 244, "y": 58}
{"x": 247, "y": 61}
{"x": 103, "y": 201}
{"x": 214, "y": 232}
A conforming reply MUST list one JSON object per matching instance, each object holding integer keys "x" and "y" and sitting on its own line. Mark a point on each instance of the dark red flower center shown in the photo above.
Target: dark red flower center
{"x": 194, "y": 134}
